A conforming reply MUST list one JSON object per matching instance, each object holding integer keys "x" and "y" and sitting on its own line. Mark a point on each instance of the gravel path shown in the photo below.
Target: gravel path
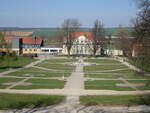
{"x": 75, "y": 83}
{"x": 18, "y": 83}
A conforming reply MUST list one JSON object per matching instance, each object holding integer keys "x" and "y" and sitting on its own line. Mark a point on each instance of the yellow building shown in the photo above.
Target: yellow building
{"x": 25, "y": 44}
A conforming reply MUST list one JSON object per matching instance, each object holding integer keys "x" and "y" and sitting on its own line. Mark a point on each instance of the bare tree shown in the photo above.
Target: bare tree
{"x": 2, "y": 40}
{"x": 69, "y": 27}
{"x": 142, "y": 32}
{"x": 99, "y": 36}
{"x": 124, "y": 42}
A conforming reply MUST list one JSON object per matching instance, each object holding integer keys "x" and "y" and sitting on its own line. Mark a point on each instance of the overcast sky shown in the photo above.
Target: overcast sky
{"x": 51, "y": 13}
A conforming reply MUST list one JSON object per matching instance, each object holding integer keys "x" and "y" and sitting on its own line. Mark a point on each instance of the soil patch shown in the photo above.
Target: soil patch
{"x": 128, "y": 85}
{"x": 25, "y": 84}
{"x": 9, "y": 83}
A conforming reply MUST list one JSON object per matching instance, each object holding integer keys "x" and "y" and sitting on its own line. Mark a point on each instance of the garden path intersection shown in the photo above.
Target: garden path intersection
{"x": 74, "y": 88}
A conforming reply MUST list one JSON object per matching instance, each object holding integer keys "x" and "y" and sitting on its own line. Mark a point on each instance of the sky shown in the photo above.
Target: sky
{"x": 52, "y": 13}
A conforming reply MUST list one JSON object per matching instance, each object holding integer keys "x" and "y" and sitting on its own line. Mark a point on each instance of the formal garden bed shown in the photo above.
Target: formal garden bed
{"x": 6, "y": 82}
{"x": 19, "y": 101}
{"x": 94, "y": 68}
{"x": 115, "y": 100}
{"x": 106, "y": 85}
{"x": 107, "y": 61}
{"x": 146, "y": 83}
{"x": 14, "y": 62}
{"x": 42, "y": 84}
{"x": 60, "y": 60}
{"x": 36, "y": 72}
{"x": 118, "y": 75}
{"x": 61, "y": 67}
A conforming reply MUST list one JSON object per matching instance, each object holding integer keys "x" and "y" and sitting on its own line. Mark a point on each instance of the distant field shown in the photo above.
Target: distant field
{"x": 53, "y": 31}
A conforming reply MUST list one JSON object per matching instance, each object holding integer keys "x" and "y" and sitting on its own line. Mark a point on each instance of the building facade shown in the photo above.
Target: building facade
{"x": 25, "y": 44}
{"x": 82, "y": 44}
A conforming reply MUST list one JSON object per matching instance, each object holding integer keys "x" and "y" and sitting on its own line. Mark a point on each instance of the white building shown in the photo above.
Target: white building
{"x": 82, "y": 44}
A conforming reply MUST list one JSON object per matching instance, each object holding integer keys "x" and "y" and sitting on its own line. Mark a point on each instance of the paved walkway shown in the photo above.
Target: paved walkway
{"x": 75, "y": 84}
{"x": 73, "y": 92}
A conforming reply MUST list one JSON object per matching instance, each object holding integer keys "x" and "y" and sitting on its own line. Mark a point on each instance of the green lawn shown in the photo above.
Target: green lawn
{"x": 18, "y": 101}
{"x": 20, "y": 62}
{"x": 103, "y": 75}
{"x": 60, "y": 60}
{"x": 102, "y": 61}
{"x": 3, "y": 69}
{"x": 106, "y": 85}
{"x": 8, "y": 80}
{"x": 38, "y": 73}
{"x": 124, "y": 100}
{"x": 118, "y": 75}
{"x": 103, "y": 67}
{"x": 127, "y": 70}
{"x": 43, "y": 84}
{"x": 146, "y": 82}
{"x": 64, "y": 67}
